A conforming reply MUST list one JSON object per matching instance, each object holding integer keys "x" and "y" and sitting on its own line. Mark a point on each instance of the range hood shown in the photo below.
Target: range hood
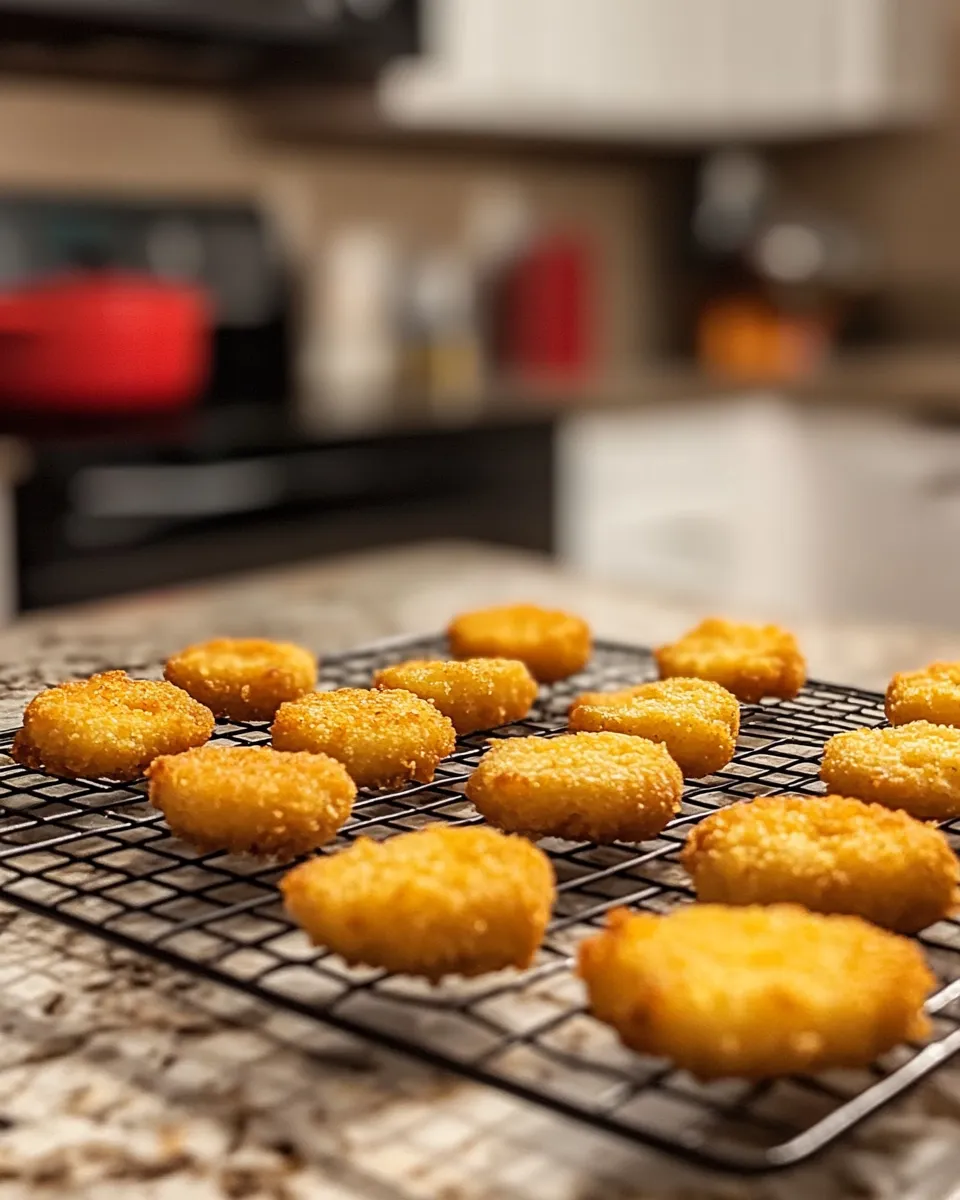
{"x": 204, "y": 38}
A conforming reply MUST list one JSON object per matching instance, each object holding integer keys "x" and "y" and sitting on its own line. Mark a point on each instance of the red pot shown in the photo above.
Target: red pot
{"x": 104, "y": 342}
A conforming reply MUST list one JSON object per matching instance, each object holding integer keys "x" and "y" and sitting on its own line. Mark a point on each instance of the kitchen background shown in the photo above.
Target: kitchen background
{"x": 669, "y": 289}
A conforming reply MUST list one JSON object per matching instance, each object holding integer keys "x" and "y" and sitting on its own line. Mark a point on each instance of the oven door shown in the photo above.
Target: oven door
{"x": 90, "y": 526}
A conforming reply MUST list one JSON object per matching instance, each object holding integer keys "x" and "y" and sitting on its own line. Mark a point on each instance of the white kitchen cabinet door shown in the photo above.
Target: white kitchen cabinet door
{"x": 704, "y": 500}
{"x": 761, "y": 505}
{"x": 780, "y": 59}
{"x": 671, "y": 69}
{"x": 885, "y": 493}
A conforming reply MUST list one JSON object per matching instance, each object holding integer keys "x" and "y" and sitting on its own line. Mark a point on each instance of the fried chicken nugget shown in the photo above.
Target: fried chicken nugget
{"x": 752, "y": 661}
{"x": 755, "y": 992}
{"x": 596, "y": 787}
{"x": 108, "y": 727}
{"x": 932, "y": 694}
{"x": 915, "y": 767}
{"x": 244, "y": 679}
{"x": 384, "y": 739}
{"x": 251, "y": 799}
{"x": 479, "y": 693}
{"x": 435, "y": 902}
{"x": 552, "y": 644}
{"x": 829, "y": 853}
{"x": 697, "y": 720}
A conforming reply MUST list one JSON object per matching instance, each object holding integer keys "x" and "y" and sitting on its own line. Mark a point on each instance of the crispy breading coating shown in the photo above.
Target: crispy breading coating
{"x": 384, "y": 738}
{"x": 244, "y": 679}
{"x": 932, "y": 694}
{"x": 755, "y": 992}
{"x": 108, "y": 727}
{"x": 697, "y": 720}
{"x": 752, "y": 661}
{"x": 251, "y": 799}
{"x": 438, "y": 901}
{"x": 597, "y": 787}
{"x": 915, "y": 767}
{"x": 552, "y": 644}
{"x": 478, "y": 693}
{"x": 831, "y": 854}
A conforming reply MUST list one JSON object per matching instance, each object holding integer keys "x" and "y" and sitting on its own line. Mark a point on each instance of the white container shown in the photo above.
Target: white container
{"x": 350, "y": 361}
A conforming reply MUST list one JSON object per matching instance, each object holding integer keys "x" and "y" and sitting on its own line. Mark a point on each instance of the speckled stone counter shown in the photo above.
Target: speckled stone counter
{"x": 119, "y": 1078}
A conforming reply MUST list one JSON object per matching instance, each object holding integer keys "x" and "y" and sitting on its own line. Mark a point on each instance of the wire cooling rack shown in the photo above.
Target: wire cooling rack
{"x": 96, "y": 856}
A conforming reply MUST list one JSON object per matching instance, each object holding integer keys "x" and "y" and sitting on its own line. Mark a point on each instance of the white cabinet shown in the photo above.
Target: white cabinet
{"x": 761, "y": 504}
{"x": 671, "y": 69}
{"x": 884, "y": 494}
{"x": 692, "y": 499}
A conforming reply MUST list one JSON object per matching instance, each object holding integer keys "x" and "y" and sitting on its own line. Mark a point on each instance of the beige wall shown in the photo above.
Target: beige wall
{"x": 903, "y": 190}
{"x": 92, "y": 137}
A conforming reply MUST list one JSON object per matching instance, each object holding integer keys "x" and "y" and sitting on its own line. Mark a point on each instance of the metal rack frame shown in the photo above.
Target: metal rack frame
{"x": 96, "y": 856}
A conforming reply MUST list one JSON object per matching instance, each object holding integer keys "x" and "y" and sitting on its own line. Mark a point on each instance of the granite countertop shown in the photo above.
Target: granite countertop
{"x": 119, "y": 1078}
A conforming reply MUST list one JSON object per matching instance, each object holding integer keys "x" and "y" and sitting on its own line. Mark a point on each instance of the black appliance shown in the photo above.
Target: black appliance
{"x": 134, "y": 511}
{"x": 220, "y": 38}
{"x": 227, "y": 248}
{"x": 237, "y": 483}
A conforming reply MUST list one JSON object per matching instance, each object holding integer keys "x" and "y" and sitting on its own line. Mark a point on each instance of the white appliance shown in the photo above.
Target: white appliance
{"x": 759, "y": 503}
{"x": 671, "y": 69}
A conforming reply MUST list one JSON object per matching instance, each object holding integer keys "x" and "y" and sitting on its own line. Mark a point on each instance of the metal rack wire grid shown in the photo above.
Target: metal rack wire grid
{"x": 96, "y": 856}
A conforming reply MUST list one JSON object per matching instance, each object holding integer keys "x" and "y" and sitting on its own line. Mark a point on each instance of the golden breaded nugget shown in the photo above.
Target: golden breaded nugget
{"x": 244, "y": 679}
{"x": 595, "y": 787}
{"x": 435, "y": 902}
{"x": 251, "y": 799}
{"x": 479, "y": 693}
{"x": 552, "y": 644}
{"x": 932, "y": 694}
{"x": 752, "y": 661}
{"x": 831, "y": 854}
{"x": 697, "y": 720}
{"x": 915, "y": 767}
{"x": 109, "y": 726}
{"x": 384, "y": 739}
{"x": 755, "y": 992}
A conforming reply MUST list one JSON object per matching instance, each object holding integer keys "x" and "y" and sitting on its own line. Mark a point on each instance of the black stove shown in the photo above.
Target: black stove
{"x": 224, "y": 39}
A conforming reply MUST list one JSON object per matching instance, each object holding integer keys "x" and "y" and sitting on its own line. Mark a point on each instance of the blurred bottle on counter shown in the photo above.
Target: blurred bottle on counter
{"x": 737, "y": 332}
{"x": 391, "y": 327}
{"x": 499, "y": 227}
{"x": 443, "y": 354}
{"x": 548, "y": 312}
{"x": 351, "y": 351}
{"x": 779, "y": 279}
{"x": 536, "y": 294}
